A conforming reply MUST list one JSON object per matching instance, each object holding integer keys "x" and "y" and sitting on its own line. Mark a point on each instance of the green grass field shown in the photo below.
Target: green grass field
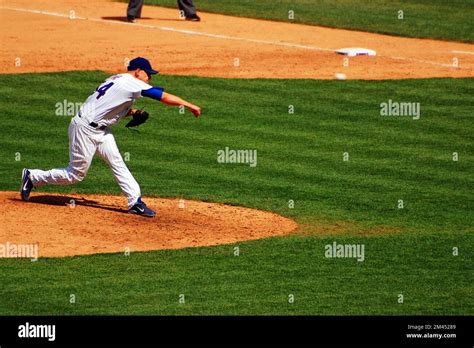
{"x": 300, "y": 158}
{"x": 440, "y": 19}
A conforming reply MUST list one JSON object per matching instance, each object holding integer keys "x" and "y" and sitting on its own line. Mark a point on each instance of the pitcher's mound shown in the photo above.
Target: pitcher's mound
{"x": 78, "y": 224}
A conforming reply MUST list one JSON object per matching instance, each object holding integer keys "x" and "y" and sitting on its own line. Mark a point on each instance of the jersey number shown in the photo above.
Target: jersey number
{"x": 102, "y": 89}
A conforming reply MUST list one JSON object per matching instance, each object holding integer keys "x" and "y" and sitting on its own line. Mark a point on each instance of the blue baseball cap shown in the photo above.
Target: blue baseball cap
{"x": 143, "y": 64}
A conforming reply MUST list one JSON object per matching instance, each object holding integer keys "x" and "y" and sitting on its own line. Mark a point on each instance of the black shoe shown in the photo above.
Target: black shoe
{"x": 140, "y": 208}
{"x": 131, "y": 19}
{"x": 193, "y": 18}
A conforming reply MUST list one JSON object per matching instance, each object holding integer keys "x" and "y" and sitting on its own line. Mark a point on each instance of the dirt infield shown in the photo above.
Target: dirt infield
{"x": 99, "y": 224}
{"x": 41, "y": 34}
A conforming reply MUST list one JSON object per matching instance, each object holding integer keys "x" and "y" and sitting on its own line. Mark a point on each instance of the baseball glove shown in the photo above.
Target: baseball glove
{"x": 139, "y": 117}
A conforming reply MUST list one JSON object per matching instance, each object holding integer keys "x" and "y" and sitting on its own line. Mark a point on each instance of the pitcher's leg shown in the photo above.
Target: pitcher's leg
{"x": 109, "y": 152}
{"x": 81, "y": 152}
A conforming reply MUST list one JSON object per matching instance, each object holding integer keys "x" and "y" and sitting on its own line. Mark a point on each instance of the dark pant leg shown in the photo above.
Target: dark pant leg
{"x": 187, "y": 7}
{"x": 135, "y": 8}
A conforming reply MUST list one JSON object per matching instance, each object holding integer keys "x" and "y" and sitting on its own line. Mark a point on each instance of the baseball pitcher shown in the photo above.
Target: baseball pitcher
{"x": 90, "y": 133}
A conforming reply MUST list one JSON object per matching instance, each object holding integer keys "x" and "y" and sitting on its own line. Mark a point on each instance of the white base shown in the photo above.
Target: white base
{"x": 356, "y": 51}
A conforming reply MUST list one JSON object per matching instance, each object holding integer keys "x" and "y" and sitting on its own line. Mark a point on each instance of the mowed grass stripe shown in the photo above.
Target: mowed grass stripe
{"x": 257, "y": 282}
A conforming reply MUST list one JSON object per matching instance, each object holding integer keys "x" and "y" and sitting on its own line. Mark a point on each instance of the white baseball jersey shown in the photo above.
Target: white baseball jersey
{"x": 113, "y": 99}
{"x": 110, "y": 102}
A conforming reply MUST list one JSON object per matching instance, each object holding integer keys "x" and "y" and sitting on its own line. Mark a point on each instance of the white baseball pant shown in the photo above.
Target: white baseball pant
{"x": 84, "y": 142}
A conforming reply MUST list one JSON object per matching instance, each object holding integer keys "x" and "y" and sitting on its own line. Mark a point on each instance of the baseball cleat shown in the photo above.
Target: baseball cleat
{"x": 193, "y": 18}
{"x": 140, "y": 208}
{"x": 26, "y": 185}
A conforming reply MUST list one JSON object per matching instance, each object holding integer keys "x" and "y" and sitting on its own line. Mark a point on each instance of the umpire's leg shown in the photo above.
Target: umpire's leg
{"x": 187, "y": 7}
{"x": 134, "y": 9}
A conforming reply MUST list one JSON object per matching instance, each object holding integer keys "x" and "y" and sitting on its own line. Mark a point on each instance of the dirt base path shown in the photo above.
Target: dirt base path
{"x": 42, "y": 36}
{"x": 99, "y": 224}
